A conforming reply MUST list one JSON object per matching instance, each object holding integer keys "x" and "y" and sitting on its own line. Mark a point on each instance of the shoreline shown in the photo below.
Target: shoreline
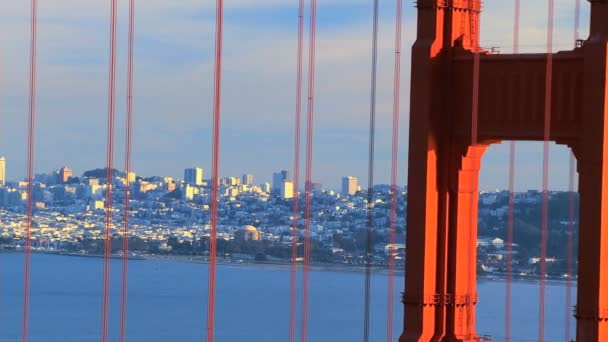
{"x": 280, "y": 265}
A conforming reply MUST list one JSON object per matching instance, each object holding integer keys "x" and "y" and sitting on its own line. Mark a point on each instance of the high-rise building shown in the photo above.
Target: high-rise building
{"x": 65, "y": 173}
{"x": 193, "y": 176}
{"x": 277, "y": 180}
{"x": 247, "y": 179}
{"x": 287, "y": 189}
{"x": 2, "y": 171}
{"x": 349, "y": 185}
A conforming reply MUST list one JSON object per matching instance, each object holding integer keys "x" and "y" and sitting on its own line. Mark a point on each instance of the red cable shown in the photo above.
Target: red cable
{"x": 370, "y": 172}
{"x": 217, "y": 90}
{"x": 109, "y": 174}
{"x": 570, "y": 249}
{"x": 471, "y": 264}
{"x": 510, "y": 241}
{"x": 30, "y": 171}
{"x": 296, "y": 177}
{"x": 308, "y": 180}
{"x": 545, "y": 194}
{"x": 570, "y": 246}
{"x": 577, "y": 19}
{"x": 128, "y": 129}
{"x": 394, "y": 163}
{"x": 511, "y": 196}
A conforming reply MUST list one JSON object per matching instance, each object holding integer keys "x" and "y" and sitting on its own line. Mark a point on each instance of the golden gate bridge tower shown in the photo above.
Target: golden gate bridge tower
{"x": 464, "y": 99}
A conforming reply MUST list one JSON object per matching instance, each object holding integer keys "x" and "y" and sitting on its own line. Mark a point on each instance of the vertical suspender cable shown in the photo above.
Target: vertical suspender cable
{"x": 570, "y": 251}
{"x": 128, "y": 131}
{"x": 217, "y": 96}
{"x": 296, "y": 176}
{"x": 30, "y": 171}
{"x": 308, "y": 178}
{"x": 510, "y": 221}
{"x": 545, "y": 193}
{"x": 109, "y": 174}
{"x": 394, "y": 168}
{"x": 471, "y": 263}
{"x": 370, "y": 173}
{"x": 570, "y": 246}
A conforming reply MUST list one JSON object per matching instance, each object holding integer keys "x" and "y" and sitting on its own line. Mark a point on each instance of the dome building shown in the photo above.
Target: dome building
{"x": 247, "y": 233}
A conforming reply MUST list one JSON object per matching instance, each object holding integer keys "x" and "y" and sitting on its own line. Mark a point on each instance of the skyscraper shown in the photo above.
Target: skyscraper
{"x": 349, "y": 185}
{"x": 287, "y": 189}
{"x": 277, "y": 180}
{"x": 65, "y": 173}
{"x": 193, "y": 176}
{"x": 2, "y": 171}
{"x": 247, "y": 179}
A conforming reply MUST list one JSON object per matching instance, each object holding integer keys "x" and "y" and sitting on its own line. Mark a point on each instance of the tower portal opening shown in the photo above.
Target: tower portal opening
{"x": 511, "y": 224}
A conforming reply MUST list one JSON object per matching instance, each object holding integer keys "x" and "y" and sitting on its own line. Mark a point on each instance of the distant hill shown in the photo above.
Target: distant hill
{"x": 102, "y": 173}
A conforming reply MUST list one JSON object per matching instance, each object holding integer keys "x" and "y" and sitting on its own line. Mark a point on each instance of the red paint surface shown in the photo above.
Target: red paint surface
{"x": 556, "y": 97}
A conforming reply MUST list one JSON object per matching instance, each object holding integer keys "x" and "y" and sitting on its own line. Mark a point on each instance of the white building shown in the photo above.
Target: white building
{"x": 349, "y": 185}
{"x": 287, "y": 189}
{"x": 2, "y": 171}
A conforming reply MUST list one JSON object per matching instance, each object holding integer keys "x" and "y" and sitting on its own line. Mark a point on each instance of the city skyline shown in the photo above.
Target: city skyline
{"x": 335, "y": 184}
{"x": 173, "y": 67}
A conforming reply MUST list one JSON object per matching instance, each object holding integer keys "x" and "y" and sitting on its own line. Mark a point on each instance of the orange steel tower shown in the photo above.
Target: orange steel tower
{"x": 445, "y": 153}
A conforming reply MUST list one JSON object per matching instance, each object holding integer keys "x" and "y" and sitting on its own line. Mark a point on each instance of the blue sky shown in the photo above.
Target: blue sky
{"x": 173, "y": 86}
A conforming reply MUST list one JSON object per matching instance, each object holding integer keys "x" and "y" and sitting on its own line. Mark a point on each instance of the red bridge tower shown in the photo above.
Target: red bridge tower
{"x": 444, "y": 160}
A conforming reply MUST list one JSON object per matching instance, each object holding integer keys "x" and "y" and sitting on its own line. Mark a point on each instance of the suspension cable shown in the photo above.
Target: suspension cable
{"x": 510, "y": 223}
{"x": 545, "y": 192}
{"x": 128, "y": 131}
{"x": 370, "y": 174}
{"x": 308, "y": 178}
{"x": 394, "y": 168}
{"x": 109, "y": 174}
{"x": 473, "y": 181}
{"x": 571, "y": 199}
{"x": 30, "y": 170}
{"x": 217, "y": 90}
{"x": 296, "y": 176}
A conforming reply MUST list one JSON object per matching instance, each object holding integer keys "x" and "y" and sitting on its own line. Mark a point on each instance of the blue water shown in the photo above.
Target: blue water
{"x": 167, "y": 302}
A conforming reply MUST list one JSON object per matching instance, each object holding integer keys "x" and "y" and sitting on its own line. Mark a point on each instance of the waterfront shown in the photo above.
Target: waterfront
{"x": 167, "y": 302}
